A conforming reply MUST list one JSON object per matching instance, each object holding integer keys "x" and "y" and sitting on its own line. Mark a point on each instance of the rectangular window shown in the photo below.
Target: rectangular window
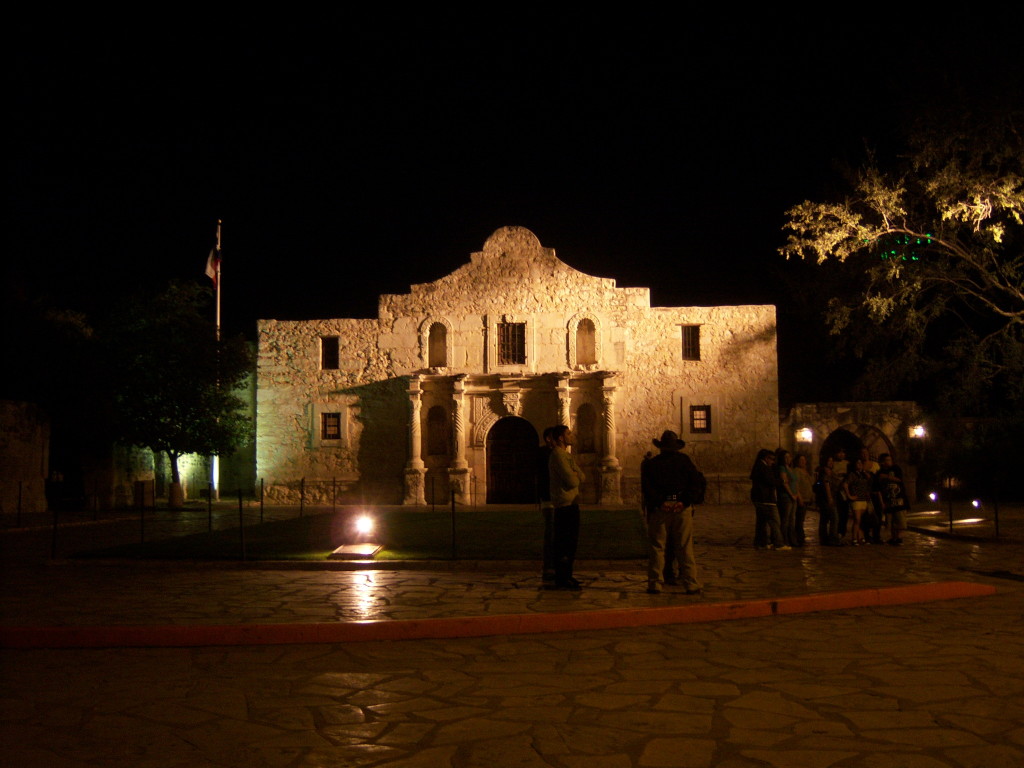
{"x": 700, "y": 418}
{"x": 330, "y": 426}
{"x": 329, "y": 353}
{"x": 511, "y": 343}
{"x": 691, "y": 342}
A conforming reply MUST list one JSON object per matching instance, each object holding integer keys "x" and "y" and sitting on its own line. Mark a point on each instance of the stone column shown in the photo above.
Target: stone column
{"x": 459, "y": 419}
{"x": 458, "y": 474}
{"x": 415, "y": 470}
{"x": 611, "y": 486}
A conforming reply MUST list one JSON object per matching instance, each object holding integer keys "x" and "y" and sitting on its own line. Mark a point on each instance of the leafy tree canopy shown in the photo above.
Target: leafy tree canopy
{"x": 174, "y": 383}
{"x": 931, "y": 248}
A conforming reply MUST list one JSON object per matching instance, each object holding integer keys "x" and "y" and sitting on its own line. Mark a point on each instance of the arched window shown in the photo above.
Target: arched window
{"x": 586, "y": 342}
{"x": 583, "y": 339}
{"x": 438, "y": 430}
{"x": 586, "y": 429}
{"x": 437, "y": 346}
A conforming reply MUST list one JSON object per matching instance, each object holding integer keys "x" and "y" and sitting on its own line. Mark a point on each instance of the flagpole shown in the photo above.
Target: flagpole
{"x": 218, "y": 279}
{"x": 215, "y": 464}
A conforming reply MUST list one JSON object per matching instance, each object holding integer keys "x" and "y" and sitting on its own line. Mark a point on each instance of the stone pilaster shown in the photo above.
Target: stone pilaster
{"x": 611, "y": 492}
{"x": 459, "y": 416}
{"x": 415, "y": 470}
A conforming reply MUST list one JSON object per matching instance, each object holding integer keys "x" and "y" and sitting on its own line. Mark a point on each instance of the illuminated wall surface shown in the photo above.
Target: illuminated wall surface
{"x": 432, "y": 392}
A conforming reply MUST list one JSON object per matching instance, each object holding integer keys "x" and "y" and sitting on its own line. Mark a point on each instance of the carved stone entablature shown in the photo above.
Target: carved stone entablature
{"x": 483, "y": 426}
{"x": 512, "y": 402}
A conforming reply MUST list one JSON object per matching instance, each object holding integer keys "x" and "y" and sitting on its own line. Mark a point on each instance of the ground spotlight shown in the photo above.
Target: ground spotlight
{"x": 360, "y": 533}
{"x": 976, "y": 503}
{"x": 933, "y": 496}
{"x": 364, "y": 525}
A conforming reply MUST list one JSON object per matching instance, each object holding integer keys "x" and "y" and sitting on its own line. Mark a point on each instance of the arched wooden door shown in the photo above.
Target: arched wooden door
{"x": 512, "y": 448}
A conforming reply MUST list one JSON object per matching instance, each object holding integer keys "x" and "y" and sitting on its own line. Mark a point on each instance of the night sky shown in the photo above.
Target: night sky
{"x": 352, "y": 154}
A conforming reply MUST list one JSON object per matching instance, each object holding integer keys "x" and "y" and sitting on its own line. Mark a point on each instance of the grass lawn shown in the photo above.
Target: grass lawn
{"x": 406, "y": 535}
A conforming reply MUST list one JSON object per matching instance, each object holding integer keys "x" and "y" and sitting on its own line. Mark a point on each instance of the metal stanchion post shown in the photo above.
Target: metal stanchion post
{"x": 302, "y": 495}
{"x": 949, "y": 499}
{"x": 261, "y": 499}
{"x": 53, "y": 540}
{"x": 995, "y": 507}
{"x": 209, "y": 507}
{"x": 241, "y": 523}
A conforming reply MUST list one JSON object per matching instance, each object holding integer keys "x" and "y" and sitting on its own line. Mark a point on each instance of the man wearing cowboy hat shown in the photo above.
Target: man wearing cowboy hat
{"x": 668, "y": 482}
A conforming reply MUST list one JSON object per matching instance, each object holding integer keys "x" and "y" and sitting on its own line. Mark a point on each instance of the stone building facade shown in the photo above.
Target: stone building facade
{"x": 449, "y": 388}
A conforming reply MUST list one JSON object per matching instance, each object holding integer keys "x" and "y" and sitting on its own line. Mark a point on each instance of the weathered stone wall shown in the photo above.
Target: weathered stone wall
{"x": 737, "y": 374}
{"x": 639, "y": 369}
{"x": 24, "y": 454}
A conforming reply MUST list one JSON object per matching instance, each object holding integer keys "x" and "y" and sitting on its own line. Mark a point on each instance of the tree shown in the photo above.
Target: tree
{"x": 934, "y": 257}
{"x": 173, "y": 381}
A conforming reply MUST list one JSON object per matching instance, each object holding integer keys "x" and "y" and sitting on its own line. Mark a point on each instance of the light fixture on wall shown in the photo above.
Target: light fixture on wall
{"x": 804, "y": 435}
{"x": 917, "y": 431}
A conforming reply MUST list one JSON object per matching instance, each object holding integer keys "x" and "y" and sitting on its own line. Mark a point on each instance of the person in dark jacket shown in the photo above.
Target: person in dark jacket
{"x": 547, "y": 509}
{"x": 762, "y": 493}
{"x": 668, "y": 482}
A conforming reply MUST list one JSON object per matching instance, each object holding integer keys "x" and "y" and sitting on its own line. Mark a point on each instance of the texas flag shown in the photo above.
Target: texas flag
{"x": 213, "y": 266}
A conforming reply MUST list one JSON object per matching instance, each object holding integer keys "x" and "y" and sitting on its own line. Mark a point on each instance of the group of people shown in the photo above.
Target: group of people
{"x": 670, "y": 484}
{"x": 861, "y": 497}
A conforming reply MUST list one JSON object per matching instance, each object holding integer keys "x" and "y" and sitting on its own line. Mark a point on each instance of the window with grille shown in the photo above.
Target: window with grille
{"x": 511, "y": 343}
{"x": 700, "y": 418}
{"x": 691, "y": 342}
{"x": 330, "y": 426}
{"x": 329, "y": 353}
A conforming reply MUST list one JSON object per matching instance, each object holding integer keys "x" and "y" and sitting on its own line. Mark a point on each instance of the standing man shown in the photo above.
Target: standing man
{"x": 873, "y": 518}
{"x": 546, "y": 508}
{"x": 762, "y": 493}
{"x": 893, "y": 497}
{"x": 669, "y": 482}
{"x": 840, "y": 466}
{"x": 565, "y": 478}
{"x": 671, "y": 570}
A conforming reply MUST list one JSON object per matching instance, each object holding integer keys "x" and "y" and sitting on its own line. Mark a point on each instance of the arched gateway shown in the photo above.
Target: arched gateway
{"x": 512, "y": 447}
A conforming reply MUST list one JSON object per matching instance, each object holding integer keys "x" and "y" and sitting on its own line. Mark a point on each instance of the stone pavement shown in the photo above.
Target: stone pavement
{"x": 919, "y": 685}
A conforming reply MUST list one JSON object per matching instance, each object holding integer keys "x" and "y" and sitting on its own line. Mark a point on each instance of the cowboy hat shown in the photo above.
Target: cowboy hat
{"x": 669, "y": 441}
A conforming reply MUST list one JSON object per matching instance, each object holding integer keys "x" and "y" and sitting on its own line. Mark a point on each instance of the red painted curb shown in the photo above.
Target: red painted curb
{"x": 195, "y": 635}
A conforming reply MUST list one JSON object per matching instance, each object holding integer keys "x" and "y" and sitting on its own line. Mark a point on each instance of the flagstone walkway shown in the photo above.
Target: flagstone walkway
{"x": 919, "y": 685}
